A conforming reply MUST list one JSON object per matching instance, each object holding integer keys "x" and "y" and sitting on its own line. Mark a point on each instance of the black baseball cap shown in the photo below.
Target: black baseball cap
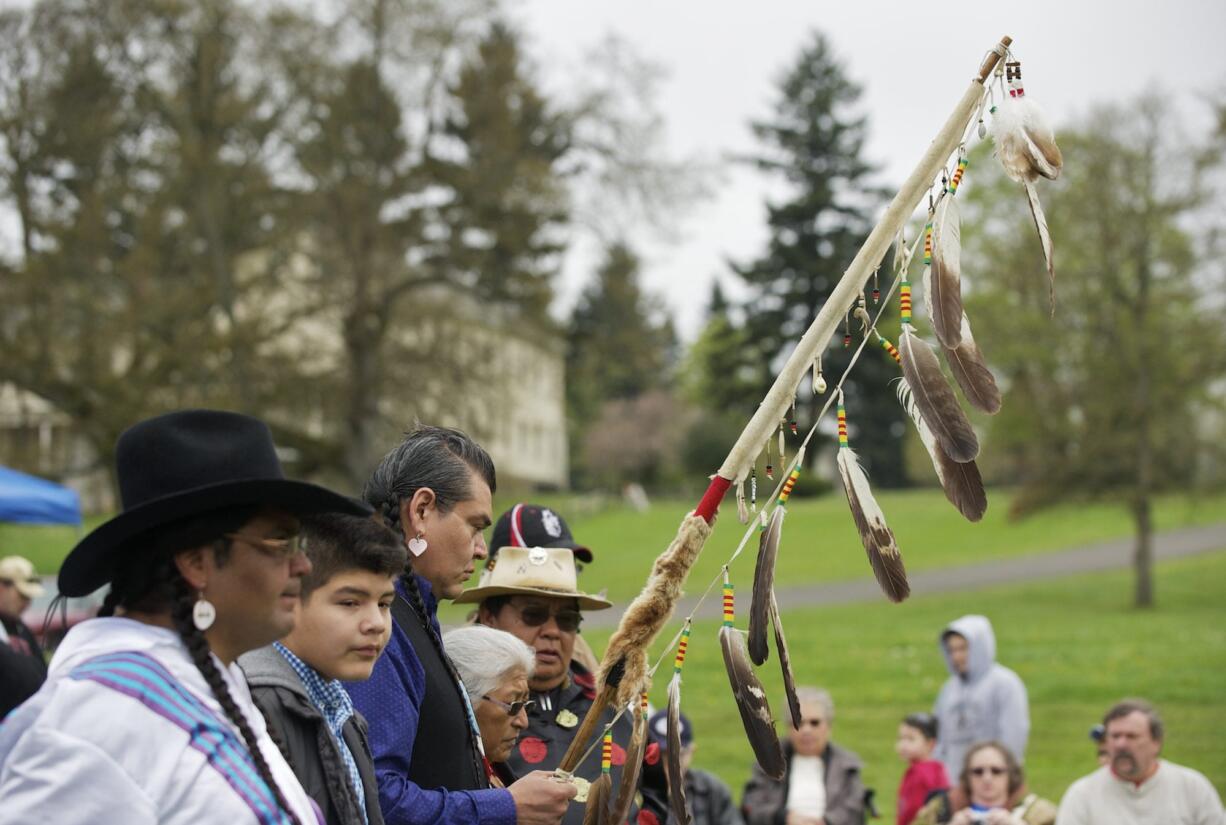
{"x": 531, "y": 525}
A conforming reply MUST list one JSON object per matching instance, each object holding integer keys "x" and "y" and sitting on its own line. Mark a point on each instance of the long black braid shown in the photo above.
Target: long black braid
{"x": 154, "y": 584}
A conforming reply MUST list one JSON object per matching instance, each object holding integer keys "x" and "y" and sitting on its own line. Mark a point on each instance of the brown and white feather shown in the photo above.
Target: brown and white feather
{"x": 672, "y": 755}
{"x": 961, "y": 483}
{"x": 936, "y": 400}
{"x": 967, "y": 364}
{"x": 944, "y": 284}
{"x": 785, "y": 664}
{"x": 763, "y": 588}
{"x": 875, "y": 534}
{"x": 751, "y": 701}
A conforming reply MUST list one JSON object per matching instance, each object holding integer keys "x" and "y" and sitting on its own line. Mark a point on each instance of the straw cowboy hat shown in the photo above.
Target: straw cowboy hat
{"x": 184, "y": 464}
{"x": 534, "y": 571}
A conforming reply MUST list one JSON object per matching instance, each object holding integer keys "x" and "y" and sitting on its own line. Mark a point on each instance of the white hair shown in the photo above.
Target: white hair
{"x": 487, "y": 658}
{"x": 817, "y": 696}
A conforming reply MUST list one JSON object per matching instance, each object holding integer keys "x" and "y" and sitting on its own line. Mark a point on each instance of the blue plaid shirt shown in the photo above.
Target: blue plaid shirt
{"x": 334, "y": 703}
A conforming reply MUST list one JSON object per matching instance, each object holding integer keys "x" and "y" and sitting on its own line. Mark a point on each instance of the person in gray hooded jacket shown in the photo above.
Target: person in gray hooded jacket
{"x": 982, "y": 699}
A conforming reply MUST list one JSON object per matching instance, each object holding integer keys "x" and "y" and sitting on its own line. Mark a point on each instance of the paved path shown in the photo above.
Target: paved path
{"x": 1107, "y": 555}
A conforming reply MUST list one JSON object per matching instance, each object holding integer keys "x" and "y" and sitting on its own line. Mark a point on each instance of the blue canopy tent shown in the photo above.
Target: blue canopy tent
{"x": 29, "y": 500}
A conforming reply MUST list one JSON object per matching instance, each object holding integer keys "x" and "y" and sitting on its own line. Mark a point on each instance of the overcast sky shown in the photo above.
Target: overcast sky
{"x": 913, "y": 59}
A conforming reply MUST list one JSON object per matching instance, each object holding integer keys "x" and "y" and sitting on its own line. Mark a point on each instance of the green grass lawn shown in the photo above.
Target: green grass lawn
{"x": 819, "y": 539}
{"x": 1075, "y": 643}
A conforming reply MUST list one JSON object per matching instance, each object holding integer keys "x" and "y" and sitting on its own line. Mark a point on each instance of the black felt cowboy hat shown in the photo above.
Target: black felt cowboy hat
{"x": 184, "y": 464}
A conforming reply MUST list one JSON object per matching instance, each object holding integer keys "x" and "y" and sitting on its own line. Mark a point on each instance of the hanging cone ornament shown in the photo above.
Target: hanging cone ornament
{"x": 1027, "y": 150}
{"x": 597, "y": 810}
{"x": 672, "y": 758}
{"x": 631, "y": 767}
{"x": 875, "y": 534}
{"x": 749, "y": 694}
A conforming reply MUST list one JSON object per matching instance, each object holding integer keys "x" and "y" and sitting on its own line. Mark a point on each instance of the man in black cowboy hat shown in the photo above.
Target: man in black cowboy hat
{"x": 145, "y": 718}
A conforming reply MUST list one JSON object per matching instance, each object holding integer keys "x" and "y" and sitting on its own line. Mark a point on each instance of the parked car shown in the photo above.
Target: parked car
{"x": 50, "y": 629}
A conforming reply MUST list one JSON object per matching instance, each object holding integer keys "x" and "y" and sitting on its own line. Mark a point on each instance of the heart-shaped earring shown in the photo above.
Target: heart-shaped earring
{"x": 417, "y": 545}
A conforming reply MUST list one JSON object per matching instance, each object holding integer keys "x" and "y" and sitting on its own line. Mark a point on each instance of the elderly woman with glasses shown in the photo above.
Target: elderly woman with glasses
{"x": 822, "y": 785}
{"x": 992, "y": 791}
{"x": 495, "y": 667}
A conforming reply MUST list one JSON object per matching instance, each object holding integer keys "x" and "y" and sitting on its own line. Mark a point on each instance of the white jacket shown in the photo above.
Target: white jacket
{"x": 81, "y": 752}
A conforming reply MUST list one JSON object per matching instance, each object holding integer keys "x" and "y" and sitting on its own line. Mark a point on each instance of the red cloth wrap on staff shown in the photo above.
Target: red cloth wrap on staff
{"x": 709, "y": 506}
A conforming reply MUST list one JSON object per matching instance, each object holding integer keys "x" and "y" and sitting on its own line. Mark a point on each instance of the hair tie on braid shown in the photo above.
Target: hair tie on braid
{"x": 198, "y": 647}
{"x": 109, "y": 604}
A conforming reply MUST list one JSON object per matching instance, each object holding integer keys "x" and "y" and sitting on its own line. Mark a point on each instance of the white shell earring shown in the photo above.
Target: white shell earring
{"x": 203, "y": 613}
{"x": 417, "y": 545}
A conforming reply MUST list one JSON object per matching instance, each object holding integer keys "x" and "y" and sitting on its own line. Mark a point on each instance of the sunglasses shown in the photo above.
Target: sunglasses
{"x": 279, "y": 549}
{"x": 995, "y": 771}
{"x": 512, "y": 708}
{"x": 535, "y": 615}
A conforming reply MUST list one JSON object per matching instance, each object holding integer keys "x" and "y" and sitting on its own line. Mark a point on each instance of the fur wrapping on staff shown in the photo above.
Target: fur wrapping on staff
{"x": 751, "y": 702}
{"x": 596, "y": 811}
{"x": 943, "y": 285}
{"x": 672, "y": 758}
{"x": 785, "y": 663}
{"x": 631, "y": 768}
{"x": 936, "y": 400}
{"x": 763, "y": 588}
{"x": 962, "y": 483}
{"x": 651, "y": 609}
{"x": 876, "y": 535}
{"x": 1027, "y": 149}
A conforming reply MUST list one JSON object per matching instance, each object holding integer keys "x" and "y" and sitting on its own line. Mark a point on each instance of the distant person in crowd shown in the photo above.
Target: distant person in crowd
{"x": 434, "y": 489}
{"x": 343, "y": 622}
{"x": 992, "y": 790}
{"x": 145, "y": 719}
{"x": 917, "y": 735}
{"x": 1137, "y": 787}
{"x": 822, "y": 785}
{"x": 981, "y": 699}
{"x": 22, "y": 667}
{"x": 1098, "y": 734}
{"x": 709, "y": 800}
{"x": 495, "y": 667}
{"x": 543, "y": 527}
{"x": 533, "y": 594}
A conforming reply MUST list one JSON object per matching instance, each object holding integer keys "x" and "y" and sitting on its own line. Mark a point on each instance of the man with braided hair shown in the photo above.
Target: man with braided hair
{"x": 145, "y": 718}
{"x": 435, "y": 489}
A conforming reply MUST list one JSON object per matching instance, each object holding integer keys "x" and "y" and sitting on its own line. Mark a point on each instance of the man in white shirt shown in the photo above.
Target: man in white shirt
{"x": 1135, "y": 787}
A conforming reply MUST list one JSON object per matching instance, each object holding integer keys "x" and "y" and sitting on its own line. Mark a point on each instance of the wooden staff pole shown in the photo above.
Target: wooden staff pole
{"x": 772, "y": 409}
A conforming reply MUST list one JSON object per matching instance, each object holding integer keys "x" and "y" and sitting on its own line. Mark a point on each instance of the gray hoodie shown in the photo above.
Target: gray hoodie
{"x": 987, "y": 702}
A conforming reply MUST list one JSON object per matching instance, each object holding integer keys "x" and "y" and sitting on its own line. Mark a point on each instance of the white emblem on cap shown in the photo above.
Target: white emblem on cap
{"x": 538, "y": 555}
{"x": 551, "y": 523}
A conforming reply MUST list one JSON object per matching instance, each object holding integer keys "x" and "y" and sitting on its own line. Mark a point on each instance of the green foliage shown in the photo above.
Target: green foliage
{"x": 814, "y": 143}
{"x": 1110, "y": 397}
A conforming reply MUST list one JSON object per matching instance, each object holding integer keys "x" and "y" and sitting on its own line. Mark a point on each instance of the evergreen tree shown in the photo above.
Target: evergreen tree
{"x": 507, "y": 197}
{"x": 815, "y": 143}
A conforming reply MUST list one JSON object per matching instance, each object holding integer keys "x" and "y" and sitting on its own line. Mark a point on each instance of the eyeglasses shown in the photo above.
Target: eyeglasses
{"x": 512, "y": 708}
{"x": 535, "y": 615}
{"x": 280, "y": 549}
{"x": 995, "y": 771}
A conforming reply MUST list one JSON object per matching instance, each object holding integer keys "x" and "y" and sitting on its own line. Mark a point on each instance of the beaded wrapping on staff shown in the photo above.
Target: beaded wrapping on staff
{"x": 788, "y": 485}
{"x": 606, "y": 752}
{"x": 682, "y": 644}
{"x": 729, "y": 607}
{"x": 957, "y": 178}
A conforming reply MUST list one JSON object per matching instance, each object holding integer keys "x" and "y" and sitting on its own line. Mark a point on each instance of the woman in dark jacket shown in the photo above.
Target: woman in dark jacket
{"x": 822, "y": 785}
